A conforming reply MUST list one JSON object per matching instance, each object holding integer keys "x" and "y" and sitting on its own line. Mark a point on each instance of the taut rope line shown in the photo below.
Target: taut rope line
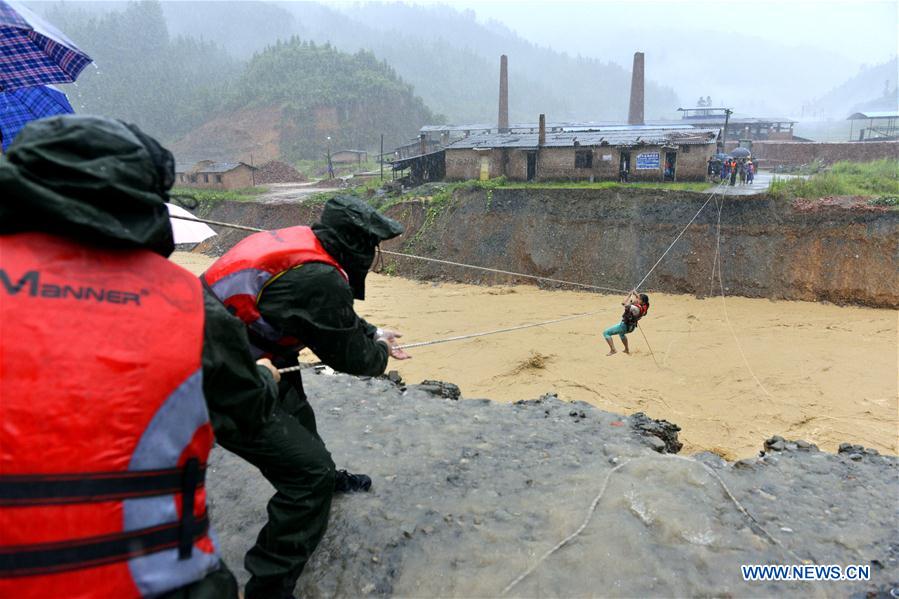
{"x": 684, "y": 230}
{"x": 724, "y": 304}
{"x": 482, "y": 268}
{"x": 472, "y": 335}
{"x": 504, "y": 272}
{"x": 427, "y": 259}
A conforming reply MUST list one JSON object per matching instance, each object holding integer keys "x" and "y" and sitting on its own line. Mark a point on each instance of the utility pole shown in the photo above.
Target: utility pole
{"x": 727, "y": 113}
{"x": 382, "y": 157}
{"x": 328, "y": 155}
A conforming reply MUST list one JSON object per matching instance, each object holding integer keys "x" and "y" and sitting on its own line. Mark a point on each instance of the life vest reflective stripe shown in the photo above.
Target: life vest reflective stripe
{"x": 241, "y": 274}
{"x": 104, "y": 432}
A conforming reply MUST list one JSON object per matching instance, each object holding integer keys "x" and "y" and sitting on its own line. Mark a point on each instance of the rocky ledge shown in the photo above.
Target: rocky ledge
{"x": 469, "y": 494}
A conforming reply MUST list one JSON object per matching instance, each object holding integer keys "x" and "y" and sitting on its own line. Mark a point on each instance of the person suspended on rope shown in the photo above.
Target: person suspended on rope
{"x": 635, "y": 307}
{"x": 294, "y": 288}
{"x": 116, "y": 367}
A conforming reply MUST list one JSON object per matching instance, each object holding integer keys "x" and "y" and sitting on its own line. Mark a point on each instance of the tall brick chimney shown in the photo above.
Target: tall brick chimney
{"x": 635, "y": 114}
{"x": 503, "y": 123}
{"x": 541, "y": 133}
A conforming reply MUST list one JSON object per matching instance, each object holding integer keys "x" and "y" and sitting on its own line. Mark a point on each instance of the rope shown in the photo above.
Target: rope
{"x": 494, "y": 270}
{"x": 504, "y": 272}
{"x": 473, "y": 335}
{"x": 652, "y": 353}
{"x": 219, "y": 223}
{"x": 724, "y": 303}
{"x": 426, "y": 259}
{"x": 753, "y": 522}
{"x": 684, "y": 230}
{"x": 571, "y": 537}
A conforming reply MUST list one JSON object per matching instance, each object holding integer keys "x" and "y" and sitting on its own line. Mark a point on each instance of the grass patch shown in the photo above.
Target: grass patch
{"x": 318, "y": 169}
{"x": 879, "y": 178}
{"x": 216, "y": 195}
{"x": 675, "y": 186}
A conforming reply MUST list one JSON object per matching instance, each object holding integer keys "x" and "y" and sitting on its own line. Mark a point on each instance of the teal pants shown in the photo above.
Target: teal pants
{"x": 619, "y": 329}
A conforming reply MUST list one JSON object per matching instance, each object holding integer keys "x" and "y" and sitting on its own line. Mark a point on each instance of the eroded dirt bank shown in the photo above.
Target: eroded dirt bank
{"x": 610, "y": 237}
{"x": 613, "y": 238}
{"x": 468, "y": 494}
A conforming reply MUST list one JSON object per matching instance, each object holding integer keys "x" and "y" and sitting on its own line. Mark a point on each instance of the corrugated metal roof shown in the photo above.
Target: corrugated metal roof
{"x": 612, "y": 136}
{"x": 719, "y": 120}
{"x": 561, "y": 126}
{"x": 875, "y": 114}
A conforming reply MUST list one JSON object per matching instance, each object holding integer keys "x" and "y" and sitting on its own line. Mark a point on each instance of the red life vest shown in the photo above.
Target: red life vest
{"x": 239, "y": 277}
{"x": 104, "y": 433}
{"x": 629, "y": 319}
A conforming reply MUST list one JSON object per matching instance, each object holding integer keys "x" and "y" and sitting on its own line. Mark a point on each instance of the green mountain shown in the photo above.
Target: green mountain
{"x": 289, "y": 97}
{"x": 451, "y": 60}
{"x": 323, "y": 92}
{"x": 141, "y": 73}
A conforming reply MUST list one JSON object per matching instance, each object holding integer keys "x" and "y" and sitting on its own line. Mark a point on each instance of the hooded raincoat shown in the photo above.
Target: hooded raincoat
{"x": 103, "y": 184}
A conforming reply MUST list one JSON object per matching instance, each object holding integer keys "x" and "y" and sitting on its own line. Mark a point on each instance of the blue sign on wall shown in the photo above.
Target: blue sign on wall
{"x": 648, "y": 161}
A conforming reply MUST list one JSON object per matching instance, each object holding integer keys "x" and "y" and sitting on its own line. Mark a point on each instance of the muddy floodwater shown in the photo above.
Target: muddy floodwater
{"x": 730, "y": 373}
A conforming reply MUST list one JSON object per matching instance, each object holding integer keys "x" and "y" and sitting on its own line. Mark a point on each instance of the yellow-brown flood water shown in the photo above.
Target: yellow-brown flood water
{"x": 822, "y": 373}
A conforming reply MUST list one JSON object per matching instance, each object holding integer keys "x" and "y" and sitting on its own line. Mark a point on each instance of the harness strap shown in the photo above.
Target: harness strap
{"x": 92, "y": 487}
{"x": 188, "y": 489}
{"x": 264, "y": 345}
{"x": 90, "y": 552}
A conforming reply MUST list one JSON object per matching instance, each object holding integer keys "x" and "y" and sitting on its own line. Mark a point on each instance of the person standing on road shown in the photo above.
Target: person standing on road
{"x": 295, "y": 288}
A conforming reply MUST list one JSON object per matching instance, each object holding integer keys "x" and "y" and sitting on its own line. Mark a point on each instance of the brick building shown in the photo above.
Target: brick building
{"x": 597, "y": 155}
{"x": 349, "y": 157}
{"x": 208, "y": 174}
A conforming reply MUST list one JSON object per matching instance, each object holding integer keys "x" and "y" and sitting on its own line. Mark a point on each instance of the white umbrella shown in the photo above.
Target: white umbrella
{"x": 185, "y": 231}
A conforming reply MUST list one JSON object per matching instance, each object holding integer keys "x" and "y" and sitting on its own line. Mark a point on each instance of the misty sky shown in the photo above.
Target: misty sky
{"x": 862, "y": 31}
{"x": 731, "y": 50}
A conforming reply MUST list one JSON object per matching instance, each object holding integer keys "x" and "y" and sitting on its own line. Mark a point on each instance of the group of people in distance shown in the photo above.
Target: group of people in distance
{"x": 730, "y": 169}
{"x": 120, "y": 369}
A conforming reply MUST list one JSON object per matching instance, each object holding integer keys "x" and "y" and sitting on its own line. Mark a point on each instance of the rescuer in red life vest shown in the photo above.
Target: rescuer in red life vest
{"x": 109, "y": 355}
{"x": 294, "y": 288}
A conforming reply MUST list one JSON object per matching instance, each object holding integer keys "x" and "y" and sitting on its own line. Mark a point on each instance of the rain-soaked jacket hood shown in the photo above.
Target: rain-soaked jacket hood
{"x": 350, "y": 230}
{"x": 100, "y": 181}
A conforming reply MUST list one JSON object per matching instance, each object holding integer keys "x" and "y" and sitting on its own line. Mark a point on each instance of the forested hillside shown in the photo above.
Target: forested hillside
{"x": 326, "y": 93}
{"x": 450, "y": 58}
{"x": 172, "y": 84}
{"x": 142, "y": 74}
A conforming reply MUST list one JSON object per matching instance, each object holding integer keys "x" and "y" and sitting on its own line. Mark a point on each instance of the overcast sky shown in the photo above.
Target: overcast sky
{"x": 863, "y": 31}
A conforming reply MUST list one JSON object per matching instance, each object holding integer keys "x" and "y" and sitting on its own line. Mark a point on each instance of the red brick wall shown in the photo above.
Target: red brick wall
{"x": 557, "y": 164}
{"x": 773, "y": 153}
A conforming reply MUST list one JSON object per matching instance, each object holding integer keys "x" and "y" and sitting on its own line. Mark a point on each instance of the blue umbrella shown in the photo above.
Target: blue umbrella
{"x": 19, "y": 106}
{"x": 33, "y": 52}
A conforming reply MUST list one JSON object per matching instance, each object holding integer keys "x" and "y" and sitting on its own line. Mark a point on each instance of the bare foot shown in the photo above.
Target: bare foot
{"x": 611, "y": 353}
{"x": 627, "y": 351}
